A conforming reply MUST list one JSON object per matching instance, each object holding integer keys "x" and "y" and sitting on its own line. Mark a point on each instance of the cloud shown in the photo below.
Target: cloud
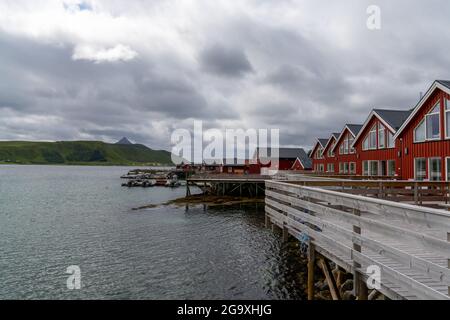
{"x": 114, "y": 54}
{"x": 105, "y": 69}
{"x": 223, "y": 61}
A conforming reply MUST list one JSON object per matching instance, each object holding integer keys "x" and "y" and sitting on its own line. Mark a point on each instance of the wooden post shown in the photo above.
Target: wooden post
{"x": 416, "y": 193}
{"x": 267, "y": 221}
{"x": 359, "y": 286}
{"x": 285, "y": 233}
{"x": 311, "y": 265}
{"x": 448, "y": 260}
{"x": 334, "y": 290}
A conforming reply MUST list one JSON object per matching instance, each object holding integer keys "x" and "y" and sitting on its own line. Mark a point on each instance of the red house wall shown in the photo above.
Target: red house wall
{"x": 344, "y": 157}
{"x": 428, "y": 149}
{"x": 315, "y": 161}
{"x": 378, "y": 154}
{"x": 329, "y": 159}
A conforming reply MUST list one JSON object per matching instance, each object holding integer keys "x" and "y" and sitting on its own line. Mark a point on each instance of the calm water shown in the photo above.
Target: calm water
{"x": 52, "y": 217}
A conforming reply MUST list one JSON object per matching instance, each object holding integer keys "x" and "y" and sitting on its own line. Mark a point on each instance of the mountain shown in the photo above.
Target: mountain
{"x": 124, "y": 140}
{"x": 81, "y": 152}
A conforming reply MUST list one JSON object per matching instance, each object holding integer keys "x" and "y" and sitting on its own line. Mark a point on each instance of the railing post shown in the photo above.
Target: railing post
{"x": 416, "y": 193}
{"x": 311, "y": 265}
{"x": 359, "y": 286}
{"x": 448, "y": 260}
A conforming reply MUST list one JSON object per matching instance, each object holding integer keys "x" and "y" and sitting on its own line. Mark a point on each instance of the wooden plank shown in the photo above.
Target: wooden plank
{"x": 334, "y": 290}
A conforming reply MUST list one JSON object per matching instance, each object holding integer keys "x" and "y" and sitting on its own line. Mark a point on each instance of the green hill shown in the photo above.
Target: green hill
{"x": 81, "y": 152}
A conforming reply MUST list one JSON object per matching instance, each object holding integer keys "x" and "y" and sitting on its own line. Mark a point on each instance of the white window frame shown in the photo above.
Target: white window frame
{"x": 424, "y": 120}
{"x": 381, "y": 128}
{"x": 389, "y": 133}
{"x": 446, "y": 103}
{"x": 395, "y": 168}
{"x": 446, "y": 168}
{"x": 415, "y": 171}
{"x": 350, "y": 167}
{"x": 429, "y": 168}
{"x": 376, "y": 137}
{"x": 365, "y": 173}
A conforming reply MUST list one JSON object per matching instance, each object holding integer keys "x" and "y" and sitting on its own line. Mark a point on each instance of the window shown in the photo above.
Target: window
{"x": 345, "y": 167}
{"x": 391, "y": 168}
{"x": 381, "y": 136}
{"x": 373, "y": 138}
{"x": 419, "y": 132}
{"x": 432, "y": 123}
{"x": 341, "y": 149}
{"x": 365, "y": 168}
{"x": 373, "y": 168}
{"x": 383, "y": 167}
{"x": 350, "y": 142}
{"x": 434, "y": 169}
{"x": 366, "y": 143}
{"x": 321, "y": 167}
{"x": 352, "y": 168}
{"x": 447, "y": 168}
{"x": 330, "y": 150}
{"x": 330, "y": 167}
{"x": 429, "y": 128}
{"x": 447, "y": 118}
{"x": 420, "y": 169}
{"x": 346, "y": 145}
{"x": 390, "y": 139}
{"x": 341, "y": 167}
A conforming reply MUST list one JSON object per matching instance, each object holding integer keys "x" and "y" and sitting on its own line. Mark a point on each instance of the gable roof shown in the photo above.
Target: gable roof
{"x": 354, "y": 130}
{"x": 443, "y": 85}
{"x": 305, "y": 161}
{"x": 393, "y": 119}
{"x": 320, "y": 141}
{"x": 334, "y": 136}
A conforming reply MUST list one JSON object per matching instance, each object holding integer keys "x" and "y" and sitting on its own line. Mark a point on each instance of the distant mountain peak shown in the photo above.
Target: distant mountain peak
{"x": 124, "y": 140}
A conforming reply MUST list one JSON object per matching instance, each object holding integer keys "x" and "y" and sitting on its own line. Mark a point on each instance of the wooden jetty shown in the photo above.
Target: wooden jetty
{"x": 359, "y": 225}
{"x": 228, "y": 184}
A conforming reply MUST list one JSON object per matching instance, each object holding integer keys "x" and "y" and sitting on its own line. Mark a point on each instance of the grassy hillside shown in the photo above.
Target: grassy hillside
{"x": 80, "y": 152}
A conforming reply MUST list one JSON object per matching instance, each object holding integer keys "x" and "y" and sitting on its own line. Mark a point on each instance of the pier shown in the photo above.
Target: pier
{"x": 359, "y": 225}
{"x": 228, "y": 184}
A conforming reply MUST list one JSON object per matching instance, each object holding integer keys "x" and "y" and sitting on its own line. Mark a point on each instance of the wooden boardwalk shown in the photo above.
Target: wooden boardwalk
{"x": 408, "y": 243}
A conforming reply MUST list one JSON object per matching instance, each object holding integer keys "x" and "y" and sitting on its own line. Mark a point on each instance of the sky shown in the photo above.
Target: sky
{"x": 101, "y": 70}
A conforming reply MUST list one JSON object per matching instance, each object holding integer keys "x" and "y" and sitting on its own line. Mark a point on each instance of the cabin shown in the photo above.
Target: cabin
{"x": 318, "y": 157}
{"x": 423, "y": 140}
{"x": 331, "y": 167}
{"x": 375, "y": 144}
{"x": 345, "y": 154}
{"x": 303, "y": 162}
{"x": 286, "y": 159}
{"x": 235, "y": 166}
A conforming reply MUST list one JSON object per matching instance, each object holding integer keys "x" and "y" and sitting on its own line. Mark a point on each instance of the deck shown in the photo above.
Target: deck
{"x": 356, "y": 229}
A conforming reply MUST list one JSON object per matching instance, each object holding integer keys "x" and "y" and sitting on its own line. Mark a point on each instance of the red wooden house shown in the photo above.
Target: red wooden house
{"x": 287, "y": 157}
{"x": 319, "y": 161}
{"x": 375, "y": 146}
{"x": 330, "y": 157}
{"x": 345, "y": 154}
{"x": 423, "y": 141}
{"x": 303, "y": 162}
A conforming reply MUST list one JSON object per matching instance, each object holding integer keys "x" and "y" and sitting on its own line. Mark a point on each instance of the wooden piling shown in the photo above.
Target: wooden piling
{"x": 311, "y": 265}
{"x": 334, "y": 290}
{"x": 285, "y": 233}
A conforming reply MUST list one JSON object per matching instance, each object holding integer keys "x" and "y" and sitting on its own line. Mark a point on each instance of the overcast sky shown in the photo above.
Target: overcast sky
{"x": 106, "y": 69}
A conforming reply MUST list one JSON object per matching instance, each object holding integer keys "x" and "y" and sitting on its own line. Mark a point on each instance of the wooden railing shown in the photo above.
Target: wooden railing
{"x": 408, "y": 243}
{"x": 429, "y": 193}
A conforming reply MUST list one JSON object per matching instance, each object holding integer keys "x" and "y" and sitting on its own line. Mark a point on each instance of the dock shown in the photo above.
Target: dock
{"x": 359, "y": 225}
{"x": 228, "y": 184}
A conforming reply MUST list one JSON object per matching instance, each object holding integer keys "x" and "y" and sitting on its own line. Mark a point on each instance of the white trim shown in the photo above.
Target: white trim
{"x": 446, "y": 168}
{"x": 414, "y": 166}
{"x": 340, "y": 136}
{"x": 434, "y": 86}
{"x": 445, "y": 117}
{"x": 429, "y": 167}
{"x": 328, "y": 142}
{"x": 369, "y": 118}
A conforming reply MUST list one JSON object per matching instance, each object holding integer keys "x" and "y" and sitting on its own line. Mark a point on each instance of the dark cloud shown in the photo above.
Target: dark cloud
{"x": 224, "y": 61}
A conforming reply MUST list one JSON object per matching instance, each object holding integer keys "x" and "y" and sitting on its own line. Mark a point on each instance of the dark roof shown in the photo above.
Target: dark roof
{"x": 336, "y": 134}
{"x": 323, "y": 142}
{"x": 290, "y": 153}
{"x": 445, "y": 83}
{"x": 394, "y": 118}
{"x": 354, "y": 128}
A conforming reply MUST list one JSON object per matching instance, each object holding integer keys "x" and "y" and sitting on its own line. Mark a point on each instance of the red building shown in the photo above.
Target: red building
{"x": 375, "y": 146}
{"x": 423, "y": 140}
{"x": 318, "y": 157}
{"x": 286, "y": 159}
{"x": 345, "y": 154}
{"x": 331, "y": 165}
